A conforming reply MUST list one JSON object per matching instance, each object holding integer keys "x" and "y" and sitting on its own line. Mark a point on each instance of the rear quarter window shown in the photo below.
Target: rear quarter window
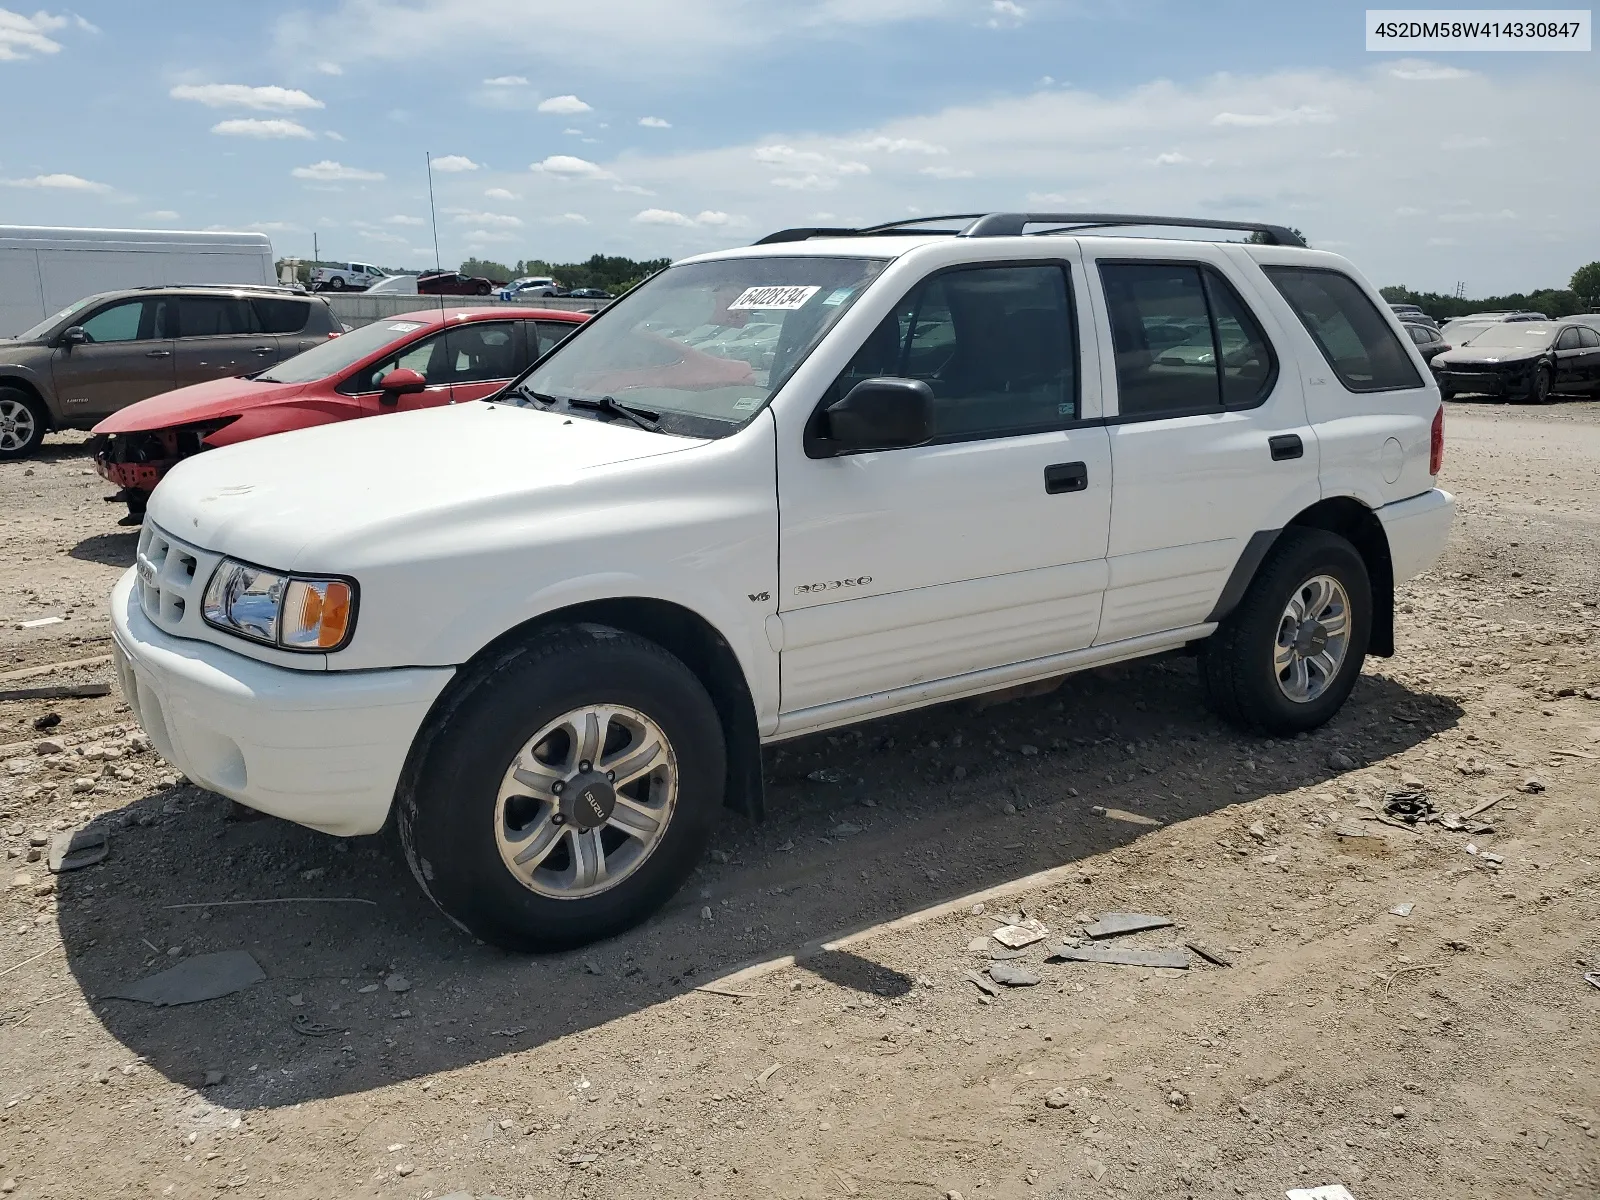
{"x": 281, "y": 316}
{"x": 1354, "y": 337}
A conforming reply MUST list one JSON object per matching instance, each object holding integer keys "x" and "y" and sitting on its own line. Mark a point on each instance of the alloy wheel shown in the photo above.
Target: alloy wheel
{"x": 18, "y": 425}
{"x": 1313, "y": 638}
{"x": 585, "y": 801}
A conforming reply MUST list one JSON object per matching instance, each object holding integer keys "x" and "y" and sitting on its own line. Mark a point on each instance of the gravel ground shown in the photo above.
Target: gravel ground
{"x": 1450, "y": 1052}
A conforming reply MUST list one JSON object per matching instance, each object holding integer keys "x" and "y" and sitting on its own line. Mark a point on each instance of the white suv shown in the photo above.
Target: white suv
{"x": 773, "y": 490}
{"x": 342, "y": 277}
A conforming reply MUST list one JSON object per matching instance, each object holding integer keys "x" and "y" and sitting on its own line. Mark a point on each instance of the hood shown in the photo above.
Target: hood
{"x": 1487, "y": 356}
{"x": 199, "y": 402}
{"x": 334, "y": 496}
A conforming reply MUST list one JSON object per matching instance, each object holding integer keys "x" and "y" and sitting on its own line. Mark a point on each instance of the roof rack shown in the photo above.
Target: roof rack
{"x": 1014, "y": 224}
{"x": 219, "y": 287}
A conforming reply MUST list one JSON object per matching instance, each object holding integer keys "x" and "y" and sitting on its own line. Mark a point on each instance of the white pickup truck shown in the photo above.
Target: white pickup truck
{"x": 774, "y": 490}
{"x": 344, "y": 277}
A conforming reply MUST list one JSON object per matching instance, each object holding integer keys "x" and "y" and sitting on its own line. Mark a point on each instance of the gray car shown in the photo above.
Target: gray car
{"x": 107, "y": 351}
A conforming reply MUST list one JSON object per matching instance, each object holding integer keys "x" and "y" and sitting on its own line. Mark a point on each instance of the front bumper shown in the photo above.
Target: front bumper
{"x": 1485, "y": 381}
{"x": 1417, "y": 530}
{"x": 320, "y": 748}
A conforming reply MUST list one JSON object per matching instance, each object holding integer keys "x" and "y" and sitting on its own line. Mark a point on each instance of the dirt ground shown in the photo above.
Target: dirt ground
{"x": 1451, "y": 1052}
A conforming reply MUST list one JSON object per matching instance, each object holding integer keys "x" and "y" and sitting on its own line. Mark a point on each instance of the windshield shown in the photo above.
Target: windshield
{"x": 705, "y": 345}
{"x": 1514, "y": 336}
{"x": 43, "y": 327}
{"x": 335, "y": 355}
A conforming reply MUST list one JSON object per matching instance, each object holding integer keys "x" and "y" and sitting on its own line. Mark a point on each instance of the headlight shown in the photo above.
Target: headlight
{"x": 291, "y": 612}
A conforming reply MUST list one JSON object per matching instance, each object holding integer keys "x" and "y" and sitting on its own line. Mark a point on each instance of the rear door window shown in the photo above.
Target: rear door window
{"x": 1568, "y": 340}
{"x": 482, "y": 350}
{"x": 281, "y": 316}
{"x": 1354, "y": 337}
{"x": 1588, "y": 339}
{"x": 215, "y": 316}
{"x": 549, "y": 335}
{"x": 1184, "y": 341}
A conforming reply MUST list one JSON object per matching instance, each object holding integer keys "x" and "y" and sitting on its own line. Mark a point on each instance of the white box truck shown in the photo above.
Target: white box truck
{"x": 42, "y": 270}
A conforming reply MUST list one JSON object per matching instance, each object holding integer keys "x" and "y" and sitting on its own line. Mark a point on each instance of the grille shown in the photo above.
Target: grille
{"x": 172, "y": 578}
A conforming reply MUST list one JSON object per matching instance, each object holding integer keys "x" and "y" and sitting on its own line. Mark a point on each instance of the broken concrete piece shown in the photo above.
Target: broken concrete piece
{"x": 1112, "y": 924}
{"x": 1402, "y": 910}
{"x": 978, "y": 945}
{"x": 1004, "y": 955}
{"x": 1024, "y": 933}
{"x": 1328, "y": 1191}
{"x": 203, "y": 977}
{"x": 1012, "y": 975}
{"x": 982, "y": 984}
{"x": 76, "y": 849}
{"x": 1173, "y": 959}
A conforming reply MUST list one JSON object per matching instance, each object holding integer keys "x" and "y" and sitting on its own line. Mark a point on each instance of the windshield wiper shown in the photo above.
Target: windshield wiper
{"x": 610, "y": 404}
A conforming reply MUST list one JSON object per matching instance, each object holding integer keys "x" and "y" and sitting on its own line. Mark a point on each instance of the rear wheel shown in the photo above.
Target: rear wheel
{"x": 23, "y": 421}
{"x": 1286, "y": 659}
{"x": 336, "y": 284}
{"x": 566, "y": 791}
{"x": 482, "y": 289}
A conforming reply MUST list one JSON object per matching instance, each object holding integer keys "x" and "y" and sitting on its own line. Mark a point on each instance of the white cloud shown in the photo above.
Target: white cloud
{"x": 160, "y": 214}
{"x": 239, "y": 95}
{"x": 330, "y": 68}
{"x": 1414, "y": 69}
{"x": 811, "y": 170}
{"x": 328, "y": 171}
{"x": 1341, "y": 153}
{"x": 663, "y": 216}
{"x": 1007, "y": 14}
{"x": 946, "y": 172}
{"x": 23, "y": 37}
{"x": 500, "y": 193}
{"x": 274, "y": 227}
{"x": 632, "y": 189}
{"x": 565, "y": 166}
{"x": 398, "y": 219}
{"x": 449, "y": 163}
{"x": 61, "y": 183}
{"x": 565, "y": 105}
{"x": 253, "y": 127}
{"x": 506, "y": 81}
{"x": 899, "y": 145}
{"x": 806, "y": 183}
{"x": 487, "y": 220}
{"x": 1305, "y": 114}
{"x": 483, "y": 235}
{"x": 655, "y": 123}
{"x": 378, "y": 235}
{"x": 1473, "y": 218}
{"x": 333, "y": 135}
{"x": 1407, "y": 210}
{"x": 1172, "y": 158}
{"x": 711, "y": 217}
{"x": 570, "y": 132}
{"x": 569, "y": 218}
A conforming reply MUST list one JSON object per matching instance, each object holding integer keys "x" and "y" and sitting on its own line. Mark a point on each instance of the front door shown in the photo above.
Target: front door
{"x": 985, "y": 547}
{"x": 1210, "y": 442}
{"x": 428, "y": 356}
{"x": 129, "y": 355}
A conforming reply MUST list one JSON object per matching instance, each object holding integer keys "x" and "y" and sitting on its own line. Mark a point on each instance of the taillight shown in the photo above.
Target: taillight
{"x": 1436, "y": 443}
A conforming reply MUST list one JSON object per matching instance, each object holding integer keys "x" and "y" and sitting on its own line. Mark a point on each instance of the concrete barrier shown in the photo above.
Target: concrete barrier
{"x": 356, "y": 309}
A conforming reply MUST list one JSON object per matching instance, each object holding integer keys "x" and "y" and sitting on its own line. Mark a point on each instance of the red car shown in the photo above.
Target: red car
{"x": 415, "y": 360}
{"x": 453, "y": 283}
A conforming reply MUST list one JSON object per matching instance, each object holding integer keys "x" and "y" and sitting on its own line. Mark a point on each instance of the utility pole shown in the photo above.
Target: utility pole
{"x": 315, "y": 256}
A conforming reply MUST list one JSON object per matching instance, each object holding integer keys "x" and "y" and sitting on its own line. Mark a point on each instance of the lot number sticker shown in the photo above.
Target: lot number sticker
{"x": 773, "y": 297}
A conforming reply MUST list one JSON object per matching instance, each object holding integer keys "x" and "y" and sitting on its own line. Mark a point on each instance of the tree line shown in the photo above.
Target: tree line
{"x": 1581, "y": 295}
{"x": 609, "y": 272}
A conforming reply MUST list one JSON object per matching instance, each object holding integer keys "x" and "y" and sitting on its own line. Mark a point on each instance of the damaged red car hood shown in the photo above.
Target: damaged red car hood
{"x": 198, "y": 402}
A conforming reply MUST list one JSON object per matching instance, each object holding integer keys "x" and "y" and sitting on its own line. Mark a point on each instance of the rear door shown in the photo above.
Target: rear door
{"x": 1209, "y": 439}
{"x": 1368, "y": 394}
{"x": 129, "y": 356}
{"x": 286, "y": 320}
{"x": 1590, "y": 341}
{"x": 219, "y": 337}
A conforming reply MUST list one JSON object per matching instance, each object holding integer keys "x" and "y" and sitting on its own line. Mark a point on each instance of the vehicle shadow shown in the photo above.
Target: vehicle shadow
{"x": 367, "y": 985}
{"x": 108, "y": 549}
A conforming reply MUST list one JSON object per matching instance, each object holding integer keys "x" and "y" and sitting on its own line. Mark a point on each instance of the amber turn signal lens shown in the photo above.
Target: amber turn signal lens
{"x": 316, "y": 614}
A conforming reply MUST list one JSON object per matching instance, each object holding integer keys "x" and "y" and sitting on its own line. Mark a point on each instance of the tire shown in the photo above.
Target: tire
{"x": 336, "y": 284}
{"x": 23, "y": 421}
{"x": 1239, "y": 662}
{"x": 1543, "y": 389}
{"x": 462, "y": 818}
{"x": 482, "y": 289}
{"x": 1447, "y": 393}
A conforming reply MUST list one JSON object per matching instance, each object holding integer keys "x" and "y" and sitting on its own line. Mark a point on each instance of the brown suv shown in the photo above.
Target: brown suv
{"x": 107, "y": 351}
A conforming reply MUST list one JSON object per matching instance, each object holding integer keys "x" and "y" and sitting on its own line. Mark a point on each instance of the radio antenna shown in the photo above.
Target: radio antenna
{"x": 438, "y": 263}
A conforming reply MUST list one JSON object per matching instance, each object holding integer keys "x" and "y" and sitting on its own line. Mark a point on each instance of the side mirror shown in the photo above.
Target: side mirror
{"x": 74, "y": 335}
{"x": 401, "y": 382}
{"x": 880, "y": 414}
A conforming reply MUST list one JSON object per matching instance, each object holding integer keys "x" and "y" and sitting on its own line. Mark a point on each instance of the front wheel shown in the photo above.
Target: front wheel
{"x": 565, "y": 791}
{"x": 1286, "y": 659}
{"x": 22, "y": 424}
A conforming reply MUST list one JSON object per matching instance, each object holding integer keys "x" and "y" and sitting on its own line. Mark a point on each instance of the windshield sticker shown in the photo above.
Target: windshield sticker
{"x": 775, "y": 298}
{"x": 403, "y": 328}
{"x": 746, "y": 403}
{"x": 838, "y": 296}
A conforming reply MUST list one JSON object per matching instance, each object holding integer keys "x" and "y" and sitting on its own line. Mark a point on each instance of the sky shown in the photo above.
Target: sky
{"x": 564, "y": 128}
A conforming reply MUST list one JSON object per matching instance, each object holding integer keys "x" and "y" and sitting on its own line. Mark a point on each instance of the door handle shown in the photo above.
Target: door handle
{"x": 1066, "y": 477}
{"x": 263, "y": 349}
{"x": 158, "y": 353}
{"x": 1286, "y": 446}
